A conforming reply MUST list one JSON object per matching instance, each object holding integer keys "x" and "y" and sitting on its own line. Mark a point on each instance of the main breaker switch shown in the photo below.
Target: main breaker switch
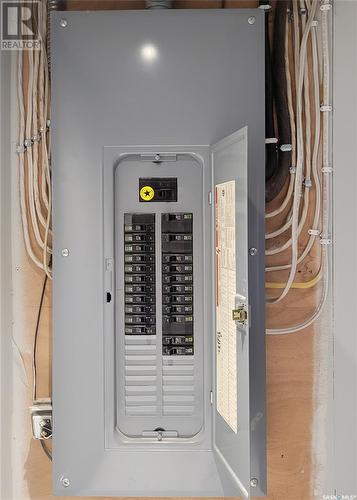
{"x": 162, "y": 189}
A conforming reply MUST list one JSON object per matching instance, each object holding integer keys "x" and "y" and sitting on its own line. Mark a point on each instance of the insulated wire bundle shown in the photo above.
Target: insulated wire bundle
{"x": 33, "y": 148}
{"x": 278, "y": 127}
{"x": 304, "y": 161}
{"x": 34, "y": 165}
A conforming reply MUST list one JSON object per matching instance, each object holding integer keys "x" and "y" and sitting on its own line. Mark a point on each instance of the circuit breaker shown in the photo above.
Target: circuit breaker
{"x": 158, "y": 179}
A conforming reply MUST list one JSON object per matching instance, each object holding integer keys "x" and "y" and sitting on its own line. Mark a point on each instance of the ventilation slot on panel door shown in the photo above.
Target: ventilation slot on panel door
{"x": 178, "y": 385}
{"x": 140, "y": 375}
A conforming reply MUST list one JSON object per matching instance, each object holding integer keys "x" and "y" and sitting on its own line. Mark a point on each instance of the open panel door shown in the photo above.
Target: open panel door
{"x": 231, "y": 350}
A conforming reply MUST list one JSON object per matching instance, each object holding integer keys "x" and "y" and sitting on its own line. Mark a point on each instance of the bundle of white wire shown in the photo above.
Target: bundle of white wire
{"x": 320, "y": 228}
{"x": 35, "y": 199}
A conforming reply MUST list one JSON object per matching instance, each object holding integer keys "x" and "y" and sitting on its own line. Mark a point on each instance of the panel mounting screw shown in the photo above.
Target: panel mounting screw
{"x": 65, "y": 252}
{"x": 157, "y": 157}
{"x": 251, "y": 20}
{"x": 63, "y": 23}
{"x": 65, "y": 482}
{"x": 253, "y": 251}
{"x": 254, "y": 482}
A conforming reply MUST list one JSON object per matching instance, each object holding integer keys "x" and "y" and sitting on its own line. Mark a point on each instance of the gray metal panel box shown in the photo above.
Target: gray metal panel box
{"x": 131, "y": 415}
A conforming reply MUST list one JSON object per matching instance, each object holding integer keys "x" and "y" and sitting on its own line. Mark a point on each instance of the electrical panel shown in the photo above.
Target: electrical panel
{"x": 158, "y": 180}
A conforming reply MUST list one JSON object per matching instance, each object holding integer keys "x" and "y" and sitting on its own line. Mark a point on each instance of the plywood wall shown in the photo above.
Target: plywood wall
{"x": 291, "y": 360}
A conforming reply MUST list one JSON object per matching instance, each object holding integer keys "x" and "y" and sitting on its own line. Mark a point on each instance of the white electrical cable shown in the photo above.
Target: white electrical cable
{"x": 289, "y": 193}
{"x": 307, "y": 113}
{"x": 316, "y": 178}
{"x": 282, "y": 229}
{"x": 326, "y": 191}
{"x": 46, "y": 177}
{"x": 299, "y": 159}
{"x": 33, "y": 152}
{"x": 296, "y": 42}
{"x": 288, "y": 223}
{"x": 23, "y": 206}
{"x": 42, "y": 100}
{"x": 318, "y": 310}
{"x": 29, "y": 157}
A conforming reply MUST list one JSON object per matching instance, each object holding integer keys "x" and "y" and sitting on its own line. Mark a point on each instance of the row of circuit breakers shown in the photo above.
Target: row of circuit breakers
{"x": 177, "y": 279}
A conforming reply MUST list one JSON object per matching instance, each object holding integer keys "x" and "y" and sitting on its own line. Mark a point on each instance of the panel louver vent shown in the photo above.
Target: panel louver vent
{"x": 178, "y": 385}
{"x": 140, "y": 375}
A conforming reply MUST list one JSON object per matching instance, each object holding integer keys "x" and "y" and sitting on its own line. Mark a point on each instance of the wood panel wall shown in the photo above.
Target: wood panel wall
{"x": 290, "y": 359}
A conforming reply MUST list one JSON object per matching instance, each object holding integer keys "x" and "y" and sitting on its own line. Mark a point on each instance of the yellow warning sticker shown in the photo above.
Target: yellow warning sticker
{"x": 147, "y": 193}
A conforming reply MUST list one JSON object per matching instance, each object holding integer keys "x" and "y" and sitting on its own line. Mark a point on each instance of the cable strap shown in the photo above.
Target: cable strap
{"x": 314, "y": 232}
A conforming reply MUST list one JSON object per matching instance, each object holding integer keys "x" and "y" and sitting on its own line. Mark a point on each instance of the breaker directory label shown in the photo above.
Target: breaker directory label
{"x": 226, "y": 335}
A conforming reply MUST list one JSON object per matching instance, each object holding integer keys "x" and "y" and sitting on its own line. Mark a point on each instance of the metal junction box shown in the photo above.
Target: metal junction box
{"x": 158, "y": 182}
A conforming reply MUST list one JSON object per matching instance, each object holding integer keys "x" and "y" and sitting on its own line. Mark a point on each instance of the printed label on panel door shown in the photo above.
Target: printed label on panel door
{"x": 226, "y": 388}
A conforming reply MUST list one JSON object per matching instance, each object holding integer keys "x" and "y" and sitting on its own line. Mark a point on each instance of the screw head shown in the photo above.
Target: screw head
{"x": 157, "y": 157}
{"x": 254, "y": 482}
{"x": 251, "y": 20}
{"x": 65, "y": 482}
{"x": 65, "y": 252}
{"x": 63, "y": 23}
{"x": 253, "y": 251}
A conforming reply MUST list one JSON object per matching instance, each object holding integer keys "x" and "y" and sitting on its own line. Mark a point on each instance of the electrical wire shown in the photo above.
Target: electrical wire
{"x": 317, "y": 313}
{"x": 299, "y": 51}
{"x": 22, "y": 175}
{"x": 324, "y": 269}
{"x": 297, "y": 284}
{"x": 288, "y": 223}
{"x": 316, "y": 178}
{"x": 45, "y": 449}
{"x": 37, "y": 329}
{"x": 34, "y": 170}
{"x": 34, "y": 362}
{"x": 271, "y": 153}
{"x": 276, "y": 177}
{"x": 288, "y": 195}
{"x": 299, "y": 161}
{"x": 307, "y": 186}
{"x": 313, "y": 236}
